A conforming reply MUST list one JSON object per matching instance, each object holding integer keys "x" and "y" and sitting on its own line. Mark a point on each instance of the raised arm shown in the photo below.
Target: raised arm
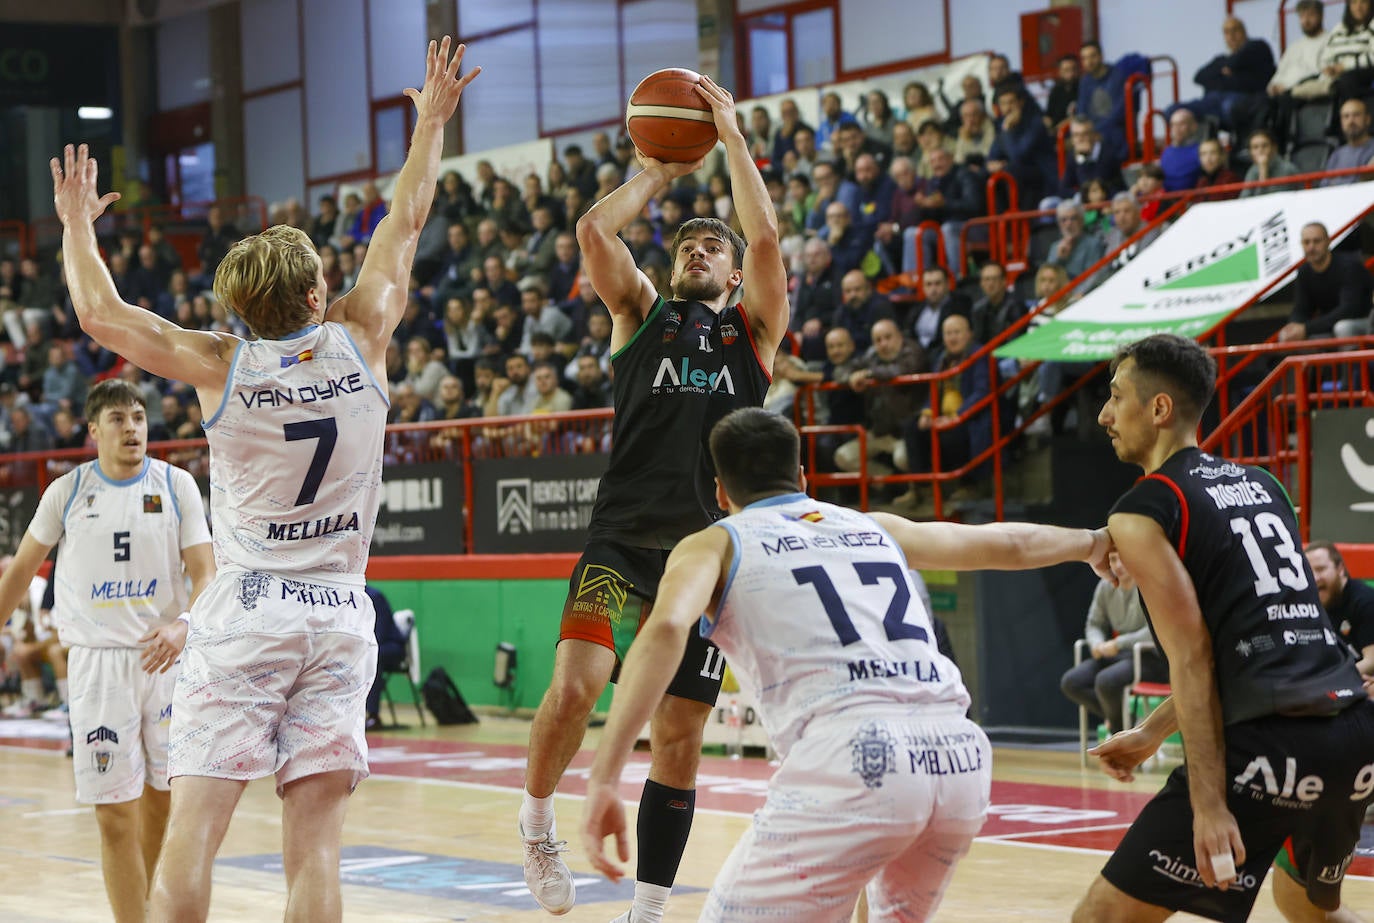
{"x": 374, "y": 307}
{"x": 199, "y": 358}
{"x": 627, "y": 293}
{"x": 765, "y": 276}
{"x": 997, "y": 545}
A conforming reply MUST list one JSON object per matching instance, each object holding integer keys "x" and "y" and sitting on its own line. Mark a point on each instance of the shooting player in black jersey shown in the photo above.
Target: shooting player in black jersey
{"x": 680, "y": 366}
{"x": 1277, "y": 730}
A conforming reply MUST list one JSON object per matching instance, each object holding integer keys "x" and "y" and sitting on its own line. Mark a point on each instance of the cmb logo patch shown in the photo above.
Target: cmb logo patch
{"x": 102, "y": 734}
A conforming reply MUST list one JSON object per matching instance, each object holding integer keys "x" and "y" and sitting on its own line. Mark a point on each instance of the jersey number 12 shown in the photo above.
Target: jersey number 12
{"x": 870, "y": 573}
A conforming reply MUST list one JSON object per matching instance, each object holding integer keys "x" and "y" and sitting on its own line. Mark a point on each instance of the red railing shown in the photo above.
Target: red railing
{"x": 1272, "y": 427}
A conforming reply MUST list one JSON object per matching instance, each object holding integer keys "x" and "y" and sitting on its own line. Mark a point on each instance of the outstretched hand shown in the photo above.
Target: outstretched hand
{"x": 722, "y": 106}
{"x": 1121, "y": 753}
{"x": 603, "y": 815}
{"x": 438, "y": 98}
{"x": 74, "y": 189}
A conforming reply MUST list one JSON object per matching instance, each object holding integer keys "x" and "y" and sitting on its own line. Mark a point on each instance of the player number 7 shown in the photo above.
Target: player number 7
{"x": 327, "y": 432}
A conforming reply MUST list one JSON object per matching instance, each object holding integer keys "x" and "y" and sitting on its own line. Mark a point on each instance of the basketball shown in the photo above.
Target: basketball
{"x": 667, "y": 118}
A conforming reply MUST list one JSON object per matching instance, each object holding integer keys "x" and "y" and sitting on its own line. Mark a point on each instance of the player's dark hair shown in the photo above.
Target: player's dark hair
{"x": 756, "y": 454}
{"x": 1176, "y": 365}
{"x": 113, "y": 392}
{"x": 713, "y": 226}
{"x": 1331, "y": 549}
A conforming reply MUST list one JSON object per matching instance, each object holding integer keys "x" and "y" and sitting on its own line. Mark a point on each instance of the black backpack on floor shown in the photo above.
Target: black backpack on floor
{"x": 444, "y": 700}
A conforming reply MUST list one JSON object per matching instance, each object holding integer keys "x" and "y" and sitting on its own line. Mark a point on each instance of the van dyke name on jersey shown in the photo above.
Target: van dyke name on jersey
{"x": 922, "y": 670}
{"x": 1244, "y": 493}
{"x": 314, "y": 528}
{"x": 788, "y": 543}
{"x": 686, "y": 378}
{"x": 305, "y": 394}
{"x": 112, "y": 590}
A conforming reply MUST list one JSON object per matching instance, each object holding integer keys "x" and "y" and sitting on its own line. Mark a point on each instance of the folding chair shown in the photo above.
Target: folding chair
{"x": 1139, "y": 689}
{"x": 410, "y": 667}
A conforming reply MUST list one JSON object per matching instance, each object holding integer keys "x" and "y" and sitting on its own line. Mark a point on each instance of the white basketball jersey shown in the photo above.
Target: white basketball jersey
{"x": 119, "y": 543}
{"x": 819, "y": 616}
{"x": 296, "y": 457}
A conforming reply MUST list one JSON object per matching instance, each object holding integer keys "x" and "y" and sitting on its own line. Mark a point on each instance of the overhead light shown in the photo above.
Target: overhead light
{"x": 94, "y": 113}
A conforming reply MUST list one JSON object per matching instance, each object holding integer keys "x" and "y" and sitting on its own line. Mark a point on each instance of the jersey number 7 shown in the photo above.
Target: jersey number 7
{"x": 327, "y": 432}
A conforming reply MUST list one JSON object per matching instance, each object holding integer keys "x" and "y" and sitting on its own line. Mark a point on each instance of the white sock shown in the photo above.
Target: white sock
{"x": 62, "y": 690}
{"x": 536, "y": 815}
{"x": 31, "y": 690}
{"x": 650, "y": 902}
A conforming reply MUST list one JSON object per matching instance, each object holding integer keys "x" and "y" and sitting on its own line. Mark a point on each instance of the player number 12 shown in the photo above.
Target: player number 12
{"x": 870, "y": 574}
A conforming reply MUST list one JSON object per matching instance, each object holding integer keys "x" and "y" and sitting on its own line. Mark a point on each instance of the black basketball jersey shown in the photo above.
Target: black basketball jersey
{"x": 1236, "y": 533}
{"x": 684, "y": 369}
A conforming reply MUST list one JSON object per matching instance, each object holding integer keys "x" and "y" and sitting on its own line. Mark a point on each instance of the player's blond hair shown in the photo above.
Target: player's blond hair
{"x": 265, "y": 279}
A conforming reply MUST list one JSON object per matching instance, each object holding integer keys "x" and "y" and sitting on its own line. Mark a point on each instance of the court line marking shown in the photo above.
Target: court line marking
{"x": 1053, "y": 831}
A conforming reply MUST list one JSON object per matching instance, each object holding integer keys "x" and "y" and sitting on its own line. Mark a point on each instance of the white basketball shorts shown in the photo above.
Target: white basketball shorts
{"x": 120, "y": 717}
{"x": 880, "y": 797}
{"x": 274, "y": 680}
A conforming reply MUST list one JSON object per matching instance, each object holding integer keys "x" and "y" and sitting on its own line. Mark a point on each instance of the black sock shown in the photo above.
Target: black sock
{"x": 665, "y": 820}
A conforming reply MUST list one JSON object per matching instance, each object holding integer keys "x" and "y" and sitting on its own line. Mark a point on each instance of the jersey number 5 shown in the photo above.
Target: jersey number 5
{"x": 327, "y": 432}
{"x": 121, "y": 546}
{"x": 870, "y": 573}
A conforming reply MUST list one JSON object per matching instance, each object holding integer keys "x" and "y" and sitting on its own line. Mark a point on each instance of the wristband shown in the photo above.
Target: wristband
{"x": 185, "y": 617}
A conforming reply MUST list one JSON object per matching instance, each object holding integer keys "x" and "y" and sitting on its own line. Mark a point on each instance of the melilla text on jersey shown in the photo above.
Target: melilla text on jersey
{"x": 312, "y": 528}
{"x": 112, "y": 591}
{"x": 304, "y": 394}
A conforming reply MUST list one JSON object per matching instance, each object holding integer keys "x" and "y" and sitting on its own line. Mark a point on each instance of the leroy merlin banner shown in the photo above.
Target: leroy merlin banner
{"x": 1215, "y": 258}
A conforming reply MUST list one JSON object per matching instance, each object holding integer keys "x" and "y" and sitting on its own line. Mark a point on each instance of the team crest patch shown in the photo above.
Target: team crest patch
{"x": 728, "y": 333}
{"x": 601, "y": 591}
{"x": 102, "y": 760}
{"x": 671, "y": 322}
{"x": 90, "y": 500}
{"x": 253, "y": 587}
{"x": 875, "y": 754}
{"x": 152, "y": 503}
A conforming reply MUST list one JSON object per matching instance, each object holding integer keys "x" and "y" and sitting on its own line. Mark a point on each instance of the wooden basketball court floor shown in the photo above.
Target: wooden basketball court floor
{"x": 431, "y": 836}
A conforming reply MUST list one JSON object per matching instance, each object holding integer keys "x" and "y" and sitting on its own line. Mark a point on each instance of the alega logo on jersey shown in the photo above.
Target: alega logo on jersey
{"x": 684, "y": 377}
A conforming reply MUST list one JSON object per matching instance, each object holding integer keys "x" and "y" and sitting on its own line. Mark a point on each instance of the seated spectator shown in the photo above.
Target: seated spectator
{"x": 517, "y": 392}
{"x": 1063, "y": 93}
{"x": 1087, "y": 159}
{"x": 789, "y": 373}
{"x": 762, "y": 135}
{"x": 1076, "y": 249}
{"x": 903, "y": 214}
{"x": 451, "y": 403}
{"x": 847, "y": 244}
{"x": 1358, "y": 149}
{"x": 567, "y": 263}
{"x": 168, "y": 259}
{"x": 507, "y": 327}
{"x": 1023, "y": 147}
{"x": 533, "y": 197}
{"x": 814, "y": 298}
{"x": 927, "y": 319}
{"x": 1097, "y": 206}
{"x": 464, "y": 336}
{"x": 322, "y": 228}
{"x": 784, "y": 139}
{"x": 802, "y": 158}
{"x": 886, "y": 408}
{"x": 639, "y": 239}
{"x": 875, "y": 198}
{"x": 1102, "y": 93}
{"x": 581, "y": 173}
{"x": 593, "y": 388}
{"x": 879, "y": 119}
{"x": 370, "y": 215}
{"x": 63, "y": 382}
{"x": 838, "y": 406}
{"x": 25, "y": 433}
{"x": 1266, "y": 163}
{"x": 408, "y": 406}
{"x": 1147, "y": 189}
{"x": 581, "y": 305}
{"x": 1216, "y": 170}
{"x": 830, "y": 187}
{"x": 541, "y": 314}
{"x": 219, "y": 237}
{"x": 1126, "y": 221}
{"x": 1179, "y": 160}
{"x": 93, "y": 359}
{"x": 178, "y": 291}
{"x": 997, "y": 308}
{"x": 1234, "y": 82}
{"x": 956, "y": 395}
{"x": 904, "y": 142}
{"x": 917, "y": 104}
{"x": 1349, "y": 604}
{"x": 832, "y": 117}
{"x": 35, "y": 362}
{"x": 931, "y": 137}
{"x": 970, "y": 87}
{"x": 949, "y": 196}
{"x": 539, "y": 245}
{"x": 485, "y": 390}
{"x": 1115, "y": 625}
{"x": 549, "y": 396}
{"x": 860, "y": 308}
{"x": 68, "y": 432}
{"x": 976, "y": 132}
{"x": 423, "y": 371}
{"x": 38, "y": 292}
{"x": 596, "y": 342}
{"x": 1299, "y": 74}
{"x": 1331, "y": 293}
{"x": 1347, "y": 56}
{"x": 391, "y": 653}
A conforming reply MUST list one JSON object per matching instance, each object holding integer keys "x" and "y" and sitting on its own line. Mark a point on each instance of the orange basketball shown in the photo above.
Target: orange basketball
{"x": 668, "y": 120}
